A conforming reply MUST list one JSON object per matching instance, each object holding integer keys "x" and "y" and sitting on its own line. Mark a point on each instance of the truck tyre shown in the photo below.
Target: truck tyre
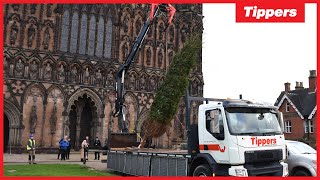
{"x": 203, "y": 170}
{"x": 302, "y": 172}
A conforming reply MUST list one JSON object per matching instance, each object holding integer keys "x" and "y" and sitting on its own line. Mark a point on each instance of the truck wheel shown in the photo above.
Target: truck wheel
{"x": 203, "y": 170}
{"x": 302, "y": 172}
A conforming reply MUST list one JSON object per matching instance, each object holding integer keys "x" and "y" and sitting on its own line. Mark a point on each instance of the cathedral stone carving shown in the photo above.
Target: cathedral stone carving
{"x": 74, "y": 75}
{"x": 98, "y": 77}
{"x": 13, "y": 33}
{"x": 33, "y": 119}
{"x": 61, "y": 74}
{"x": 47, "y": 75}
{"x": 31, "y": 35}
{"x": 19, "y": 70}
{"x": 86, "y": 76}
{"x": 33, "y": 70}
{"x": 46, "y": 38}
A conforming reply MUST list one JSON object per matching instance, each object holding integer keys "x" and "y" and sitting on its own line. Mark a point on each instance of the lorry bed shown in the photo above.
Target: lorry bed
{"x": 148, "y": 162}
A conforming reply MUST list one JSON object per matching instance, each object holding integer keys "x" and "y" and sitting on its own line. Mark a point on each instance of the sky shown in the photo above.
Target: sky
{"x": 255, "y": 59}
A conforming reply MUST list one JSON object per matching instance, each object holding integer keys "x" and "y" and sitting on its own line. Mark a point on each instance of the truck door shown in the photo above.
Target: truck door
{"x": 212, "y": 138}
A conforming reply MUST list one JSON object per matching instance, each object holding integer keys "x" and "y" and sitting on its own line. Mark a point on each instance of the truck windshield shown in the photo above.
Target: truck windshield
{"x": 252, "y": 121}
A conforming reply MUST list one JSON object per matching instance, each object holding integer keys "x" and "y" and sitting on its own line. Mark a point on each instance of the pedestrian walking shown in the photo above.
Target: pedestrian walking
{"x": 68, "y": 149}
{"x": 64, "y": 145}
{"x": 84, "y": 149}
{"x": 59, "y": 153}
{"x": 31, "y": 146}
{"x": 97, "y": 146}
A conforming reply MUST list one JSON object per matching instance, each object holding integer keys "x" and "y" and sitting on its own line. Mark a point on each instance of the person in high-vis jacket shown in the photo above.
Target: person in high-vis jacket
{"x": 31, "y": 149}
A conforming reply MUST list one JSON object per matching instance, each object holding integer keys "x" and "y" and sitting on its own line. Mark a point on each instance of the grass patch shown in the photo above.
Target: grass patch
{"x": 52, "y": 170}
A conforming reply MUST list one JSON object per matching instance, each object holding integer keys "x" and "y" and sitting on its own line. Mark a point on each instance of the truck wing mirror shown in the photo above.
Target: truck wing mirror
{"x": 280, "y": 117}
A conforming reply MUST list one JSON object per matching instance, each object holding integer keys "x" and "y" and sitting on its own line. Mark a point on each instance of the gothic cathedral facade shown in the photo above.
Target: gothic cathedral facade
{"x": 60, "y": 63}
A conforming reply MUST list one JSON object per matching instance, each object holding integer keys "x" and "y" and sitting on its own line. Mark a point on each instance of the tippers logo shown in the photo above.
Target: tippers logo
{"x": 263, "y": 142}
{"x": 269, "y": 11}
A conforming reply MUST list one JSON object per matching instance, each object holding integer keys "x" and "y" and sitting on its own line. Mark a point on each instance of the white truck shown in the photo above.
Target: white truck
{"x": 232, "y": 138}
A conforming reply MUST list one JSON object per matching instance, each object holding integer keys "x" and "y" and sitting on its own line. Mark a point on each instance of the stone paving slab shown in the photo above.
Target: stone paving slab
{"x": 52, "y": 159}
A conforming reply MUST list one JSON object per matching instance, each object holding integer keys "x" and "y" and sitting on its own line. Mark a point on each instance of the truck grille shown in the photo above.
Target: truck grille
{"x": 263, "y": 156}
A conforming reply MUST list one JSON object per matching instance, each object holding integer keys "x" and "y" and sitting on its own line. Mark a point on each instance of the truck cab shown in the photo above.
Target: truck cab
{"x": 239, "y": 138}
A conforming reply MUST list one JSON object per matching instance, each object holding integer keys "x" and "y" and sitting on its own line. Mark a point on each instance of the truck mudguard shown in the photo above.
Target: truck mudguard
{"x": 204, "y": 158}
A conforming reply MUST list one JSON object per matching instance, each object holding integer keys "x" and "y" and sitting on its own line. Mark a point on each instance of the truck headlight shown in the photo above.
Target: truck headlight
{"x": 241, "y": 172}
{"x": 285, "y": 169}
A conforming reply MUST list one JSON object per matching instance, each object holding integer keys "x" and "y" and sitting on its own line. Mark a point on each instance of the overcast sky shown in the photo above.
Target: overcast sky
{"x": 255, "y": 59}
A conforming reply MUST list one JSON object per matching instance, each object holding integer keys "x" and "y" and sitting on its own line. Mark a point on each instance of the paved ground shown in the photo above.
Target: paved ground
{"x": 52, "y": 159}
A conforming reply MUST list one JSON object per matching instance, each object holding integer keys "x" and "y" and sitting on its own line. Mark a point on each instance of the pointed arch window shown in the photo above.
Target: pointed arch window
{"x": 83, "y": 34}
{"x": 74, "y": 34}
{"x": 65, "y": 31}
{"x": 99, "y": 48}
{"x": 92, "y": 35}
{"x": 108, "y": 41}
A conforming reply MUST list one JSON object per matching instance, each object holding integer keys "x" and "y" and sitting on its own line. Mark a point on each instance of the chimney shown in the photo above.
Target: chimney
{"x": 312, "y": 80}
{"x": 286, "y": 87}
{"x": 299, "y": 85}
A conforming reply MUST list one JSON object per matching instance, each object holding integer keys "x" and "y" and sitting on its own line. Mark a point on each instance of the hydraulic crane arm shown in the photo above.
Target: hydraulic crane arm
{"x": 123, "y": 69}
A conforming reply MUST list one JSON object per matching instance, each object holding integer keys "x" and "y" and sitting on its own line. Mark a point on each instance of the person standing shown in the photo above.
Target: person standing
{"x": 64, "y": 145}
{"x": 68, "y": 149}
{"x": 97, "y": 146}
{"x": 59, "y": 153}
{"x": 84, "y": 149}
{"x": 31, "y": 149}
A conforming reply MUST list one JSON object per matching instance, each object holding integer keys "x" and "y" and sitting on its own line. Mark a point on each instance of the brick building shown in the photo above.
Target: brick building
{"x": 60, "y": 63}
{"x": 299, "y": 110}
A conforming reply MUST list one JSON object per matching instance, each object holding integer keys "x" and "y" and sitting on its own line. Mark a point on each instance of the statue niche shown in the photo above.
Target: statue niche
{"x": 31, "y": 35}
{"x": 47, "y": 75}
{"x": 19, "y": 69}
{"x": 46, "y": 38}
{"x": 33, "y": 119}
{"x": 61, "y": 74}
{"x": 33, "y": 70}
{"x": 13, "y": 33}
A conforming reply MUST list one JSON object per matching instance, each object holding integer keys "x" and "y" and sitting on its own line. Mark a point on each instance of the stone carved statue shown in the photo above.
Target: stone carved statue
{"x": 110, "y": 79}
{"x": 142, "y": 83}
{"x": 73, "y": 75}
{"x": 31, "y": 35}
{"x": 46, "y": 38}
{"x": 148, "y": 53}
{"x": 138, "y": 26}
{"x": 86, "y": 76}
{"x": 126, "y": 24}
{"x": 47, "y": 75}
{"x": 33, "y": 70}
{"x": 125, "y": 50}
{"x": 153, "y": 84}
{"x": 98, "y": 77}
{"x": 132, "y": 82}
{"x": 61, "y": 74}
{"x": 19, "y": 69}
{"x": 13, "y": 33}
{"x": 33, "y": 119}
{"x": 161, "y": 30}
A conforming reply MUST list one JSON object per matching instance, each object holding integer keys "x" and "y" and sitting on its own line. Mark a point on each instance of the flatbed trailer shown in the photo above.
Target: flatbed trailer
{"x": 149, "y": 162}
